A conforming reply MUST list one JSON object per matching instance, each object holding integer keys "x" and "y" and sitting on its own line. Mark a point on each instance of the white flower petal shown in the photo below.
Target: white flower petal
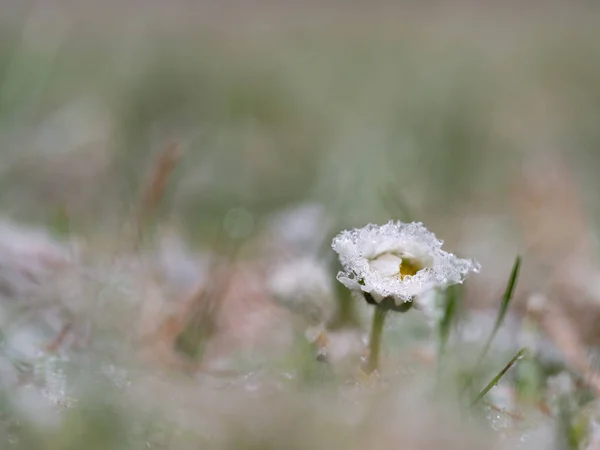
{"x": 387, "y": 264}
{"x": 348, "y": 282}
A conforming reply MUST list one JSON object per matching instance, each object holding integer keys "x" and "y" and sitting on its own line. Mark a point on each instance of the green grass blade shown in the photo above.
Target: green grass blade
{"x": 450, "y": 312}
{"x": 506, "y": 299}
{"x": 60, "y": 222}
{"x": 497, "y": 378}
{"x": 444, "y": 327}
{"x": 565, "y": 431}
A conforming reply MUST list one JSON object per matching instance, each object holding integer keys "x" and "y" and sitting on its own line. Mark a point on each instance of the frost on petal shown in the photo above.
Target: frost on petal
{"x": 350, "y": 283}
{"x": 397, "y": 260}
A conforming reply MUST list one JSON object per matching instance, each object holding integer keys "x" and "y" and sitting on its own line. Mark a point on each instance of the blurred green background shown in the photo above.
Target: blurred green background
{"x": 278, "y": 103}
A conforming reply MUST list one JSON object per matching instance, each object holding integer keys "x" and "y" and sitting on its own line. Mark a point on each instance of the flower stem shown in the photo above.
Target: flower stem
{"x": 375, "y": 340}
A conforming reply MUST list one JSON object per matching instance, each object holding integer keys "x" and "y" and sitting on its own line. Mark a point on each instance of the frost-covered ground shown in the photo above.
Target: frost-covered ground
{"x": 172, "y": 185}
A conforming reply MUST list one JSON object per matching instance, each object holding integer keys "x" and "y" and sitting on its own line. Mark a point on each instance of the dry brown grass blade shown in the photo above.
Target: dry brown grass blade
{"x": 200, "y": 313}
{"x": 155, "y": 187}
{"x": 515, "y": 415}
{"x": 162, "y": 327}
{"x": 200, "y": 309}
{"x": 559, "y": 239}
{"x": 59, "y": 339}
{"x": 548, "y": 205}
{"x": 230, "y": 312}
{"x": 555, "y": 228}
{"x": 561, "y": 330}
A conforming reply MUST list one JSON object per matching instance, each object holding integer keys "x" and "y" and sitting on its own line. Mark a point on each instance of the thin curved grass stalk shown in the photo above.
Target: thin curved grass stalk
{"x": 566, "y": 437}
{"x": 154, "y": 190}
{"x": 180, "y": 339}
{"x": 60, "y": 338}
{"x": 60, "y": 222}
{"x": 506, "y": 298}
{"x": 203, "y": 308}
{"x": 450, "y": 312}
{"x": 500, "y": 374}
{"x": 512, "y": 414}
{"x": 445, "y": 325}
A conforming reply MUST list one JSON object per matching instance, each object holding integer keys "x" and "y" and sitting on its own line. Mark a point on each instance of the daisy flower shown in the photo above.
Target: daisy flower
{"x": 397, "y": 261}
{"x": 393, "y": 265}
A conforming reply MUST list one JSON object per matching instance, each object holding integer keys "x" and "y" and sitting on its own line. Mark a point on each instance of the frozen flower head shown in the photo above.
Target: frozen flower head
{"x": 397, "y": 261}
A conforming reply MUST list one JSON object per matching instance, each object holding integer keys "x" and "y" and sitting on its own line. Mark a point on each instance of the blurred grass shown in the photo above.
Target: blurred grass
{"x": 276, "y": 117}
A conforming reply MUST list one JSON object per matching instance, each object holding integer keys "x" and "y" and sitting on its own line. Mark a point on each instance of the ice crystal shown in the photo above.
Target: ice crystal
{"x": 397, "y": 260}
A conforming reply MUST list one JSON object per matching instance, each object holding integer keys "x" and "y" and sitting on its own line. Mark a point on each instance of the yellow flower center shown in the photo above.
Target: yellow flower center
{"x": 409, "y": 267}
